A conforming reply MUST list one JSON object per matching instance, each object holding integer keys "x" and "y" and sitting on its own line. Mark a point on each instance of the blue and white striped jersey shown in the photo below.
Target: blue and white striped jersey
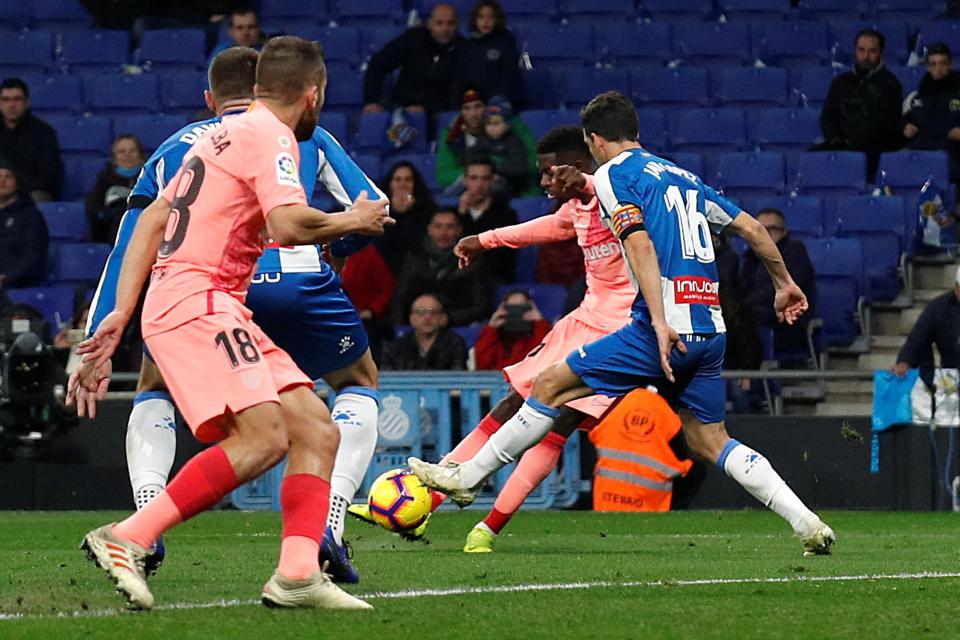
{"x": 679, "y": 212}
{"x": 321, "y": 159}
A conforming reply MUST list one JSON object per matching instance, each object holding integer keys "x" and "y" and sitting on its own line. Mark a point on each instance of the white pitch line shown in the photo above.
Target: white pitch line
{"x": 515, "y": 588}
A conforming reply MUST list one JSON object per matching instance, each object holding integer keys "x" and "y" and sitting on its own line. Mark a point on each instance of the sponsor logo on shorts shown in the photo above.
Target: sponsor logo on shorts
{"x": 287, "y": 170}
{"x": 695, "y": 290}
{"x": 346, "y": 343}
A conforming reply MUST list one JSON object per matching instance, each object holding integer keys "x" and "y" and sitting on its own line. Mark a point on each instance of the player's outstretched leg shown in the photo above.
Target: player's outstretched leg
{"x": 304, "y": 502}
{"x": 755, "y": 474}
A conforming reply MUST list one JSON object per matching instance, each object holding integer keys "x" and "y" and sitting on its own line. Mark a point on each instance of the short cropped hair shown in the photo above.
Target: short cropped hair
{"x": 232, "y": 74}
{"x": 15, "y": 83}
{"x": 772, "y": 211}
{"x": 938, "y": 49}
{"x": 472, "y": 158}
{"x": 871, "y": 33}
{"x": 287, "y": 66}
{"x": 611, "y": 116}
{"x": 563, "y": 139}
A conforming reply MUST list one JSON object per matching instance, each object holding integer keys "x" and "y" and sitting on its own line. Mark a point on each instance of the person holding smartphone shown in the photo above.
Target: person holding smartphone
{"x": 515, "y": 328}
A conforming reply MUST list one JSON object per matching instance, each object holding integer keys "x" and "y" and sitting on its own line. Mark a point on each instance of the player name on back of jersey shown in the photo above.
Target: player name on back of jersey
{"x": 655, "y": 168}
{"x": 190, "y": 137}
{"x": 695, "y": 290}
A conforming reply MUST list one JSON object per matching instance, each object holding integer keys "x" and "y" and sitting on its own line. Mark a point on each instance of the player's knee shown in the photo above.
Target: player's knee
{"x": 275, "y": 442}
{"x": 546, "y": 385}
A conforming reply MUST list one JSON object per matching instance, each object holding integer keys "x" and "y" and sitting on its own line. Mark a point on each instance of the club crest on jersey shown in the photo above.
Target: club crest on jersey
{"x": 695, "y": 290}
{"x": 287, "y": 170}
{"x": 625, "y": 216}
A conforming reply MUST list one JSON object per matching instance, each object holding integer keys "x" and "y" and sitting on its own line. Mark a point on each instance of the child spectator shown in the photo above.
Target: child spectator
{"x": 502, "y": 145}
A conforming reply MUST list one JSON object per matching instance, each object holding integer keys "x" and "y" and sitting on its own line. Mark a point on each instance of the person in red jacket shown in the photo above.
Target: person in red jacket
{"x": 515, "y": 329}
{"x": 367, "y": 281}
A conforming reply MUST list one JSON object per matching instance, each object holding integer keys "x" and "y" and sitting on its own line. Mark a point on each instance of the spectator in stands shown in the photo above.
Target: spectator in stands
{"x": 457, "y": 138}
{"x": 431, "y": 345}
{"x": 29, "y": 143}
{"x": 932, "y": 119}
{"x": 369, "y": 283}
{"x": 758, "y": 290}
{"x": 488, "y": 59}
{"x": 502, "y": 145}
{"x": 243, "y": 30}
{"x": 426, "y": 57}
{"x": 466, "y": 292}
{"x": 24, "y": 238}
{"x": 863, "y": 107}
{"x": 939, "y": 325}
{"x": 411, "y": 205}
{"x": 514, "y": 329}
{"x": 480, "y": 212}
{"x": 107, "y": 200}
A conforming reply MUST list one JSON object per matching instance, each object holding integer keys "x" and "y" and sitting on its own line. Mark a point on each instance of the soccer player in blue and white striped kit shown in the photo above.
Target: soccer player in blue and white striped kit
{"x": 296, "y": 299}
{"x": 663, "y": 216}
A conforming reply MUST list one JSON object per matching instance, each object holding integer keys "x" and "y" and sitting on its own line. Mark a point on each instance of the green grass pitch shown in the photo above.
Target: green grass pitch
{"x": 686, "y": 575}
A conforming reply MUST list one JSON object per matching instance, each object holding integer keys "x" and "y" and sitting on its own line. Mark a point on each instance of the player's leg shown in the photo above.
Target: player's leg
{"x": 151, "y": 441}
{"x": 532, "y": 469}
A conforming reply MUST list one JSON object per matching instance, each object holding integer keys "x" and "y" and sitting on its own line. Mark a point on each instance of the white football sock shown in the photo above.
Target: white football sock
{"x": 355, "y": 411}
{"x": 151, "y": 444}
{"x": 755, "y": 474}
{"x": 527, "y": 427}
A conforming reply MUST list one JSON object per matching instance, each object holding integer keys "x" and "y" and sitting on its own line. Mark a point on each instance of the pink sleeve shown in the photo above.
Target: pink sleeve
{"x": 276, "y": 172}
{"x": 552, "y": 228}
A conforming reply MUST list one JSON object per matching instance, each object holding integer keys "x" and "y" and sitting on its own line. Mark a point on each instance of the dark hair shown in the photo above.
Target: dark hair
{"x": 871, "y": 33}
{"x": 15, "y": 83}
{"x": 421, "y": 192}
{"x": 233, "y": 73}
{"x": 129, "y": 136}
{"x": 500, "y": 20}
{"x": 287, "y": 66}
{"x": 242, "y": 11}
{"x": 938, "y": 49}
{"x": 436, "y": 296}
{"x": 445, "y": 210}
{"x": 476, "y": 157}
{"x": 516, "y": 290}
{"x": 565, "y": 138}
{"x": 773, "y": 211}
{"x": 611, "y": 116}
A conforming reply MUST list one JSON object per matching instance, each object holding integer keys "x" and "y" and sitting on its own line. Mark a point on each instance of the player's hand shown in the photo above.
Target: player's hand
{"x": 667, "y": 340}
{"x": 954, "y": 134}
{"x": 337, "y": 263}
{"x": 566, "y": 177}
{"x": 910, "y": 130}
{"x": 498, "y": 318}
{"x": 372, "y": 215}
{"x": 88, "y": 384}
{"x": 790, "y": 303}
{"x": 466, "y": 249}
{"x": 100, "y": 347}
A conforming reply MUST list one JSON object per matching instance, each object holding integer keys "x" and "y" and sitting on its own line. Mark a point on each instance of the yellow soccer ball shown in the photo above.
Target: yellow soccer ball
{"x": 399, "y": 501}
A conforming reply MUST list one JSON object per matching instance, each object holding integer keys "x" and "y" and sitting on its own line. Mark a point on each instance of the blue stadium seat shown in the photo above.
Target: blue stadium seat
{"x": 914, "y": 11}
{"x": 372, "y": 133}
{"x": 687, "y": 160}
{"x": 653, "y": 129}
{"x": 533, "y": 11}
{"x": 65, "y": 220}
{"x": 832, "y": 173}
{"x": 713, "y": 44}
{"x": 336, "y": 126}
{"x": 469, "y": 333}
{"x": 285, "y": 10}
{"x": 540, "y": 90}
{"x": 426, "y": 164}
{"x": 526, "y": 269}
{"x": 793, "y": 43}
{"x": 755, "y": 10}
{"x": 58, "y": 94}
{"x": 372, "y": 39}
{"x": 339, "y": 44}
{"x": 368, "y": 12}
{"x": 55, "y": 303}
{"x": 81, "y": 262}
{"x": 880, "y": 224}
{"x": 751, "y": 173}
{"x": 463, "y": 8}
{"x": 182, "y": 91}
{"x": 532, "y": 207}
{"x": 117, "y": 93}
{"x": 833, "y": 10}
{"x": 648, "y": 43}
{"x": 749, "y": 87}
{"x": 79, "y": 175}
{"x": 909, "y": 76}
{"x": 344, "y": 91}
{"x": 549, "y": 297}
{"x": 539, "y": 121}
{"x": 570, "y": 45}
{"x": 785, "y": 129}
{"x": 173, "y": 49}
{"x": 678, "y": 10}
{"x": 58, "y": 15}
{"x": 708, "y": 131}
{"x": 896, "y": 34}
{"x": 909, "y": 169}
{"x": 98, "y": 50}
{"x": 593, "y": 10}
{"x": 26, "y": 52}
{"x": 370, "y": 164}
{"x": 804, "y": 215}
{"x": 13, "y": 16}
{"x": 581, "y": 85}
{"x": 840, "y": 277}
{"x": 669, "y": 88}
{"x": 150, "y": 129}
{"x": 810, "y": 83}
{"x": 84, "y": 135}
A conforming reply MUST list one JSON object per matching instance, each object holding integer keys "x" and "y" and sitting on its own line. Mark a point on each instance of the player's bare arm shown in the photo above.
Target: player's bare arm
{"x": 299, "y": 224}
{"x": 789, "y": 302}
{"x": 642, "y": 258}
{"x": 548, "y": 228}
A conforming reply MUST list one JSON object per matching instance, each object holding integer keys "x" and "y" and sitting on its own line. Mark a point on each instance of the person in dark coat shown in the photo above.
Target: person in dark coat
{"x": 488, "y": 59}
{"x": 939, "y": 325}
{"x": 502, "y": 145}
{"x": 24, "y": 238}
{"x": 107, "y": 201}
{"x": 758, "y": 289}
{"x": 426, "y": 57}
{"x": 431, "y": 345}
{"x": 863, "y": 107}
{"x": 932, "y": 118}
{"x": 29, "y": 143}
{"x": 480, "y": 211}
{"x": 412, "y": 206}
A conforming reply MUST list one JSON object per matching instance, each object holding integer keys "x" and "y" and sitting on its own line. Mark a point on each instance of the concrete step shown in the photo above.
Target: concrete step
{"x": 923, "y": 296}
{"x": 929, "y": 276}
{"x": 844, "y": 361}
{"x": 849, "y": 387}
{"x": 799, "y": 409}
{"x": 844, "y": 409}
{"x": 881, "y": 343}
{"x": 887, "y": 322}
{"x": 908, "y": 318}
{"x": 873, "y": 361}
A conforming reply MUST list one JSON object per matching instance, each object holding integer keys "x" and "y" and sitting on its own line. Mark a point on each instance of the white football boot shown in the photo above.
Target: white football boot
{"x": 124, "y": 563}
{"x": 317, "y": 592}
{"x": 444, "y": 478}
{"x": 820, "y": 542}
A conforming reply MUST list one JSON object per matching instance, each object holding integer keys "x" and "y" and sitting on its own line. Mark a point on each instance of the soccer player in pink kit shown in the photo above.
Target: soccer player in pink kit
{"x": 605, "y": 308}
{"x": 202, "y": 238}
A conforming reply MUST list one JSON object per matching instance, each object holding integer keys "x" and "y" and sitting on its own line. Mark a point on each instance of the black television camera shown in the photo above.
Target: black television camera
{"x": 32, "y": 390}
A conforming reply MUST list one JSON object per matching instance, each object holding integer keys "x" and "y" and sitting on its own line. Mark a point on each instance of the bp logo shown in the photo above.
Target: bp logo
{"x": 394, "y": 423}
